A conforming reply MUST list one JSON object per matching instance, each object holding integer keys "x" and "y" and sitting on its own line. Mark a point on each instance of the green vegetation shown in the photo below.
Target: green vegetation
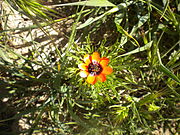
{"x": 41, "y": 90}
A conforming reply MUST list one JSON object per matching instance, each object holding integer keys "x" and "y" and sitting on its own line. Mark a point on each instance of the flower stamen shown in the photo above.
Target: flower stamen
{"x": 94, "y": 68}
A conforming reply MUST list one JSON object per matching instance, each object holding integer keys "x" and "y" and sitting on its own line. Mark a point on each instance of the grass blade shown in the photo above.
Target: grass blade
{"x": 98, "y": 3}
{"x": 166, "y": 70}
{"x": 140, "y": 49}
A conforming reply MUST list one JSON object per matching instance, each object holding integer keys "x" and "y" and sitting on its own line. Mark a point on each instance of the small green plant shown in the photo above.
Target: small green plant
{"x": 131, "y": 47}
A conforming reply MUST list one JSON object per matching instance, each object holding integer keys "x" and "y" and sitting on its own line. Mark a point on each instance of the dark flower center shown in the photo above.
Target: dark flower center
{"x": 94, "y": 68}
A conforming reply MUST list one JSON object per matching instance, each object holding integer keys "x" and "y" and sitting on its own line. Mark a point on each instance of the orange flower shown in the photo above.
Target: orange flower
{"x": 95, "y": 68}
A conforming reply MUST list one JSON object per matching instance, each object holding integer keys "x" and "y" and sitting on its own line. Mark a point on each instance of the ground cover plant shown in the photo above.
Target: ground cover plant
{"x": 106, "y": 67}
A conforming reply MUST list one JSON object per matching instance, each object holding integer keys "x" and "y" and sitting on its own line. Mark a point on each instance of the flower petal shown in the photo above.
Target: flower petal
{"x": 84, "y": 74}
{"x": 102, "y": 77}
{"x": 104, "y": 61}
{"x": 82, "y": 66}
{"x": 87, "y": 59}
{"x": 91, "y": 79}
{"x": 107, "y": 70}
{"x": 96, "y": 57}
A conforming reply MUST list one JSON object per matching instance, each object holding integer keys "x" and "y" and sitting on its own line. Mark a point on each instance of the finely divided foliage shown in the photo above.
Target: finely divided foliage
{"x": 104, "y": 67}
